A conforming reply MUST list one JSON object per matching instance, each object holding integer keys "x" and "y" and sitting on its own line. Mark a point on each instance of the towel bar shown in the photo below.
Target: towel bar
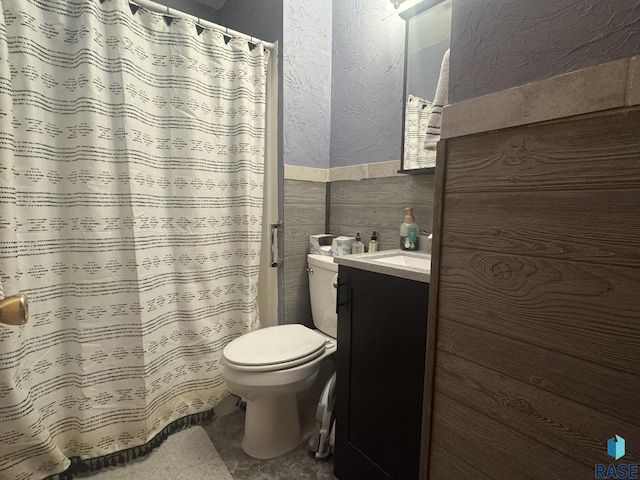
{"x": 14, "y": 310}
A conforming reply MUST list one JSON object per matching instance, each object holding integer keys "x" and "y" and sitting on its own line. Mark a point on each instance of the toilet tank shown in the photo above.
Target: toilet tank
{"x": 322, "y": 275}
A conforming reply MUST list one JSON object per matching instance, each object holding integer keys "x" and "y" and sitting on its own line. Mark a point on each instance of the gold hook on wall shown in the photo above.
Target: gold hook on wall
{"x": 14, "y": 310}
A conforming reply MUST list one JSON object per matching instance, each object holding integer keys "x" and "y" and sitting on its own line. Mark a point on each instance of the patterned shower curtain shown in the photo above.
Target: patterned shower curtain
{"x": 131, "y": 182}
{"x": 416, "y": 118}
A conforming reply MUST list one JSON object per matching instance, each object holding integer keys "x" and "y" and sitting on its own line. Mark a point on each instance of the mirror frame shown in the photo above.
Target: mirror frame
{"x": 407, "y": 15}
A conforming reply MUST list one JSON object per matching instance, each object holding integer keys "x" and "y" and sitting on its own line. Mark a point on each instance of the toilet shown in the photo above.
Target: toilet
{"x": 270, "y": 366}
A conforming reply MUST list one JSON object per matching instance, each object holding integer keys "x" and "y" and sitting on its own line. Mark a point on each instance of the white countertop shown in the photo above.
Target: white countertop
{"x": 371, "y": 262}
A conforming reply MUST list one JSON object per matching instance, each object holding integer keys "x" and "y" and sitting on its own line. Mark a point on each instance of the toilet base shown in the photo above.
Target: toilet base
{"x": 272, "y": 426}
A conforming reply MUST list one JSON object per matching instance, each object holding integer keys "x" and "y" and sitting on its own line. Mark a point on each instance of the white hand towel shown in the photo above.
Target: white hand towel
{"x": 440, "y": 100}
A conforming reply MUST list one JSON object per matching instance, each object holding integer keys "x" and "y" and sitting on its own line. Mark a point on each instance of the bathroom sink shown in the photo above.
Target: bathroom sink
{"x": 407, "y": 261}
{"x": 398, "y": 263}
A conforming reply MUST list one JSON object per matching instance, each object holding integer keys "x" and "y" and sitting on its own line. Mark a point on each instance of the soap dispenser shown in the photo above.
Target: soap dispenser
{"x": 373, "y": 243}
{"x": 409, "y": 231}
{"x": 357, "y": 246}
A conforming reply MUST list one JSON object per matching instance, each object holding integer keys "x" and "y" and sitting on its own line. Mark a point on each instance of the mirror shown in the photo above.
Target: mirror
{"x": 428, "y": 32}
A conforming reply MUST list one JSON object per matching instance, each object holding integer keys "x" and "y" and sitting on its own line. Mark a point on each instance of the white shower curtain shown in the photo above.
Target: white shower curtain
{"x": 416, "y": 118}
{"x": 131, "y": 180}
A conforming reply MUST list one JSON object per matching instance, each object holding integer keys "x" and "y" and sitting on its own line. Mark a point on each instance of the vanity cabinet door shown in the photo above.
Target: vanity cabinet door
{"x": 380, "y": 375}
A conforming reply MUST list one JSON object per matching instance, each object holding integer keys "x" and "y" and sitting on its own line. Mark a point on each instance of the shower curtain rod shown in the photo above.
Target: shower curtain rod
{"x": 163, "y": 9}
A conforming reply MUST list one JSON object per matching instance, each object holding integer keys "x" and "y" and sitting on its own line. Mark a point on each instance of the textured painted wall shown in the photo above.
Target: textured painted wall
{"x": 307, "y": 82}
{"x": 258, "y": 18}
{"x": 499, "y": 45}
{"x": 368, "y": 71}
{"x": 193, "y": 8}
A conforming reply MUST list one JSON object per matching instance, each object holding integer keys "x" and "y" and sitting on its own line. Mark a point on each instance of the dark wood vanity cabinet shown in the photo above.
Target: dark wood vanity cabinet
{"x": 382, "y": 324}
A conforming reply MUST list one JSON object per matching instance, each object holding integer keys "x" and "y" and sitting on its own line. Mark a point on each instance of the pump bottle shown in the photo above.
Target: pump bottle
{"x": 409, "y": 231}
{"x": 357, "y": 246}
{"x": 373, "y": 243}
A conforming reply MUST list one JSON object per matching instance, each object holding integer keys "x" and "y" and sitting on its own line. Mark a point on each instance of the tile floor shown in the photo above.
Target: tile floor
{"x": 226, "y": 434}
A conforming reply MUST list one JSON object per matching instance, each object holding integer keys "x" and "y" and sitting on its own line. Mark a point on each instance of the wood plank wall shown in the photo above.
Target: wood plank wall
{"x": 304, "y": 215}
{"x": 538, "y": 317}
{"x": 365, "y": 205}
{"x": 378, "y": 204}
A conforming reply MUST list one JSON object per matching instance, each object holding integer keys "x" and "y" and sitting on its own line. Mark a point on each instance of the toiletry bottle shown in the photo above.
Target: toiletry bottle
{"x": 357, "y": 246}
{"x": 409, "y": 231}
{"x": 373, "y": 243}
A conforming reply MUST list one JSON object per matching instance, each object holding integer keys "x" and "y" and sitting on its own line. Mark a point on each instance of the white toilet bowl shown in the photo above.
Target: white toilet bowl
{"x": 270, "y": 366}
{"x": 267, "y": 368}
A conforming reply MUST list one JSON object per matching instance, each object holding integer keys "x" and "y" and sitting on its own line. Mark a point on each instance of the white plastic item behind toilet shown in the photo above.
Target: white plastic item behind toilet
{"x": 320, "y": 244}
{"x": 341, "y": 246}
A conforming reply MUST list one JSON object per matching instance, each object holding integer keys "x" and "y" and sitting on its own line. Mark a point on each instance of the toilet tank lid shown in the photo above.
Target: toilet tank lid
{"x": 271, "y": 345}
{"x": 322, "y": 261}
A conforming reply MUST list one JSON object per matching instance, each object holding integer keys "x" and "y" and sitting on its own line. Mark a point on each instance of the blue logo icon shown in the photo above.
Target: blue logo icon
{"x": 615, "y": 447}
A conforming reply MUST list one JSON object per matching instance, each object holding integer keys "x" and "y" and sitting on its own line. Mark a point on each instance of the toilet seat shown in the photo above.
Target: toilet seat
{"x": 274, "y": 348}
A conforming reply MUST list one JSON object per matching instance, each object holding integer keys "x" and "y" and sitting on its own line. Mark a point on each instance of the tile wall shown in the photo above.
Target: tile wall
{"x": 361, "y": 198}
{"x": 378, "y": 204}
{"x": 304, "y": 215}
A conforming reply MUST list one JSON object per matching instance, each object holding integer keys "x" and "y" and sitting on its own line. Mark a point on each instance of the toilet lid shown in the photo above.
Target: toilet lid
{"x": 274, "y": 345}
